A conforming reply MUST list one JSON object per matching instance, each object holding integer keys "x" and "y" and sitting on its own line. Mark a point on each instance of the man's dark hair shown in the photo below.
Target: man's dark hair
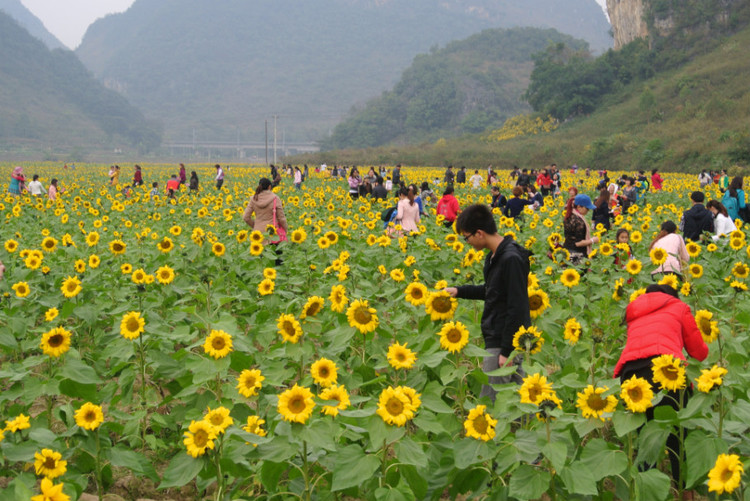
{"x": 666, "y": 289}
{"x": 697, "y": 197}
{"x": 378, "y": 180}
{"x": 474, "y": 218}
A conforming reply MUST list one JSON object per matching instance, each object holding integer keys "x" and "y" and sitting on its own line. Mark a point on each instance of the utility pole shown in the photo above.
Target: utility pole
{"x": 274, "y": 138}
{"x": 266, "y": 141}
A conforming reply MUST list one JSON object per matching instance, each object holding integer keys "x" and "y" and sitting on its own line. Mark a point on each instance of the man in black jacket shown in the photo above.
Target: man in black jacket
{"x": 379, "y": 192}
{"x": 697, "y": 218}
{"x": 505, "y": 291}
{"x": 461, "y": 175}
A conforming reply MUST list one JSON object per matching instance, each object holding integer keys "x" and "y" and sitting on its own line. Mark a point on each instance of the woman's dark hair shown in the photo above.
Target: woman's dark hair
{"x": 36, "y": 176}
{"x": 263, "y": 185}
{"x": 193, "y": 174}
{"x": 666, "y": 289}
{"x": 654, "y": 171}
{"x": 735, "y": 185}
{"x": 408, "y": 192}
{"x": 718, "y": 206}
{"x": 603, "y": 197}
{"x": 666, "y": 228}
{"x": 352, "y": 171}
{"x": 448, "y": 190}
{"x": 425, "y": 186}
{"x": 569, "y": 208}
{"x": 531, "y": 188}
{"x": 517, "y": 191}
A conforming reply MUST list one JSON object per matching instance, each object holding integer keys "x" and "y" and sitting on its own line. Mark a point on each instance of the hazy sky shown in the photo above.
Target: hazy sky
{"x": 69, "y": 19}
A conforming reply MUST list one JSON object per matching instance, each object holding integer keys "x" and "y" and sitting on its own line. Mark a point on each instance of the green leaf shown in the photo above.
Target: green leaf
{"x": 416, "y": 480}
{"x": 270, "y": 473}
{"x": 409, "y": 452}
{"x": 625, "y": 422}
{"x": 578, "y": 479}
{"x": 651, "y": 440}
{"x": 701, "y": 451}
{"x": 353, "y": 467}
{"x": 79, "y": 372}
{"x": 428, "y": 422}
{"x": 137, "y": 463}
{"x": 277, "y": 450}
{"x": 20, "y": 452}
{"x": 603, "y": 459}
{"x": 73, "y": 389}
{"x": 435, "y": 403}
{"x": 469, "y": 451}
{"x": 652, "y": 485}
{"x": 380, "y": 432}
{"x": 556, "y": 452}
{"x": 528, "y": 482}
{"x": 182, "y": 469}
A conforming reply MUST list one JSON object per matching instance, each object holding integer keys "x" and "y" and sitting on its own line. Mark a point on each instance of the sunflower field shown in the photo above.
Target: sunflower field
{"x": 159, "y": 348}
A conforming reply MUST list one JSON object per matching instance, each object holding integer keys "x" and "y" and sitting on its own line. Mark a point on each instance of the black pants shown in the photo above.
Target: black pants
{"x": 642, "y": 369}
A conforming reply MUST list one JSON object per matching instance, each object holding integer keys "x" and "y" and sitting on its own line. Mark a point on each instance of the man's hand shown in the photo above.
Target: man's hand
{"x": 501, "y": 360}
{"x": 452, "y": 291}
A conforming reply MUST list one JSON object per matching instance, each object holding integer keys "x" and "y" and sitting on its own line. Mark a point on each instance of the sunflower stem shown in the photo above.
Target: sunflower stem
{"x": 721, "y": 412}
{"x": 99, "y": 486}
{"x": 384, "y": 464}
{"x": 49, "y": 397}
{"x": 219, "y": 474}
{"x": 630, "y": 466}
{"x": 305, "y": 470}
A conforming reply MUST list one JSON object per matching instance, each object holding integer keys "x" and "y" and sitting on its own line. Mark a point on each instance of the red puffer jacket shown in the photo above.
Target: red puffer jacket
{"x": 660, "y": 324}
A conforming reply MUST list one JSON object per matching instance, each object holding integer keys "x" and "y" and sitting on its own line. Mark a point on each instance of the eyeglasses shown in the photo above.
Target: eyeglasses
{"x": 467, "y": 237}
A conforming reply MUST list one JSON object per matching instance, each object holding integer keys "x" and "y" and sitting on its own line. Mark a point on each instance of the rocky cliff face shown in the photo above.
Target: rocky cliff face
{"x": 626, "y": 17}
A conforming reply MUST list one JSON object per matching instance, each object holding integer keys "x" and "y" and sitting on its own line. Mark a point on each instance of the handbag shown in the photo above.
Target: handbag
{"x": 281, "y": 232}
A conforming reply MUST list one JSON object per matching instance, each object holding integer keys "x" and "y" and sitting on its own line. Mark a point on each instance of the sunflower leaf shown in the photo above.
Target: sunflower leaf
{"x": 353, "y": 468}
{"x": 181, "y": 470}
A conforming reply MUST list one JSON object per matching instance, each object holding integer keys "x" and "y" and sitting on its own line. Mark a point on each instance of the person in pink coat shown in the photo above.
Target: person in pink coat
{"x": 656, "y": 181}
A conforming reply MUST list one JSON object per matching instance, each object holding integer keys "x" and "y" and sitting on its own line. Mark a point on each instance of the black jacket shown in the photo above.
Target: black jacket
{"x": 695, "y": 221}
{"x": 505, "y": 295}
{"x": 379, "y": 192}
{"x": 461, "y": 176}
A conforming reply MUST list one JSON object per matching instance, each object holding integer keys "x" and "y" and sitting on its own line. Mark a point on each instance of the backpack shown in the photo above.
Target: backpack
{"x": 731, "y": 203}
{"x": 387, "y": 214}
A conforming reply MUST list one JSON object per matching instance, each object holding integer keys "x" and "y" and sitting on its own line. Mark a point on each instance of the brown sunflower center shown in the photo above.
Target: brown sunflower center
{"x": 324, "y": 372}
{"x": 481, "y": 424}
{"x": 441, "y": 304}
{"x": 705, "y": 325}
{"x": 416, "y": 293}
{"x": 671, "y": 373}
{"x": 288, "y": 327}
{"x": 90, "y": 416}
{"x": 394, "y": 406}
{"x": 535, "y": 302}
{"x": 217, "y": 419}
{"x": 250, "y": 382}
{"x": 362, "y": 315}
{"x": 200, "y": 438}
{"x": 132, "y": 324}
{"x": 535, "y": 391}
{"x": 50, "y": 463}
{"x": 55, "y": 340}
{"x": 726, "y": 475}
{"x": 454, "y": 335}
{"x": 595, "y": 402}
{"x": 635, "y": 394}
{"x": 297, "y": 404}
{"x": 313, "y": 309}
{"x": 218, "y": 343}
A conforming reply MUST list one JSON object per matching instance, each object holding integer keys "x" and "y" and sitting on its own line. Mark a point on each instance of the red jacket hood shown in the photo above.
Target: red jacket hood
{"x": 648, "y": 303}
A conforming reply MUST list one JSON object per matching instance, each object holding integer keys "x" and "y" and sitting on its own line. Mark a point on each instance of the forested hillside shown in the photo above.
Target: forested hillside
{"x": 467, "y": 87}
{"x": 27, "y": 20}
{"x": 48, "y": 99}
{"x": 217, "y": 70}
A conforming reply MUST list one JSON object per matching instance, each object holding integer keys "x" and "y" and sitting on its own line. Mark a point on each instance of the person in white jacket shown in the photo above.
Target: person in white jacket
{"x": 723, "y": 224}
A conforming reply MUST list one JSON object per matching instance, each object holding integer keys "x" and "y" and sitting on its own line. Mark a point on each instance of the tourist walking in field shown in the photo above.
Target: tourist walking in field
{"x": 17, "y": 181}
{"x": 723, "y": 224}
{"x": 267, "y": 209}
{"x": 183, "y": 174}
{"x": 659, "y": 324}
{"x": 601, "y": 214}
{"x": 137, "y": 176}
{"x": 408, "y": 210}
{"x": 577, "y": 230}
{"x": 115, "y": 176}
{"x": 354, "y": 181}
{"x": 504, "y": 292}
{"x": 656, "y": 180}
{"x": 674, "y": 246}
{"x": 219, "y": 176}
{"x": 697, "y": 219}
{"x": 476, "y": 180}
{"x": 448, "y": 207}
{"x": 297, "y": 177}
{"x": 734, "y": 198}
{"x": 52, "y": 191}
{"x": 515, "y": 205}
{"x": 193, "y": 182}
{"x": 35, "y": 186}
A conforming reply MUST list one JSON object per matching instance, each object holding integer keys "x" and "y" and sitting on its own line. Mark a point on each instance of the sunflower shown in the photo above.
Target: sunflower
{"x": 296, "y": 404}
{"x": 199, "y": 437}
{"x": 606, "y": 249}
{"x": 572, "y": 331}
{"x": 256, "y": 236}
{"x": 738, "y": 286}
{"x": 593, "y": 404}
{"x": 255, "y": 426}
{"x": 94, "y": 261}
{"x": 440, "y": 305}
{"x": 740, "y": 270}
{"x": 324, "y": 372}
{"x": 20, "y": 422}
{"x": 256, "y": 249}
{"x": 249, "y": 382}
{"x": 324, "y": 243}
{"x": 479, "y": 424}
{"x": 55, "y": 342}
{"x": 668, "y": 372}
{"x": 397, "y": 275}
{"x": 711, "y": 247}
{"x": 686, "y": 289}
{"x": 32, "y": 261}
{"x": 633, "y": 267}
{"x": 49, "y": 244}
{"x": 219, "y": 418}
{"x": 71, "y": 287}
{"x": 337, "y": 394}
{"x": 21, "y": 289}
{"x": 534, "y": 389}
{"x": 49, "y": 464}
{"x": 51, "y": 314}
{"x": 92, "y": 238}
{"x": 538, "y": 301}
{"x": 528, "y": 340}
{"x": 709, "y": 328}
{"x": 570, "y": 277}
{"x": 696, "y": 270}
{"x": 671, "y": 280}
{"x": 416, "y": 293}
{"x": 312, "y": 307}
{"x": 711, "y": 378}
{"x": 165, "y": 275}
{"x": 401, "y": 357}
{"x": 89, "y": 416}
{"x": 453, "y": 336}
{"x": 117, "y": 247}
{"x": 332, "y": 237}
{"x": 175, "y": 230}
{"x": 637, "y": 394}
{"x": 693, "y": 249}
{"x": 50, "y": 492}
{"x": 218, "y": 249}
{"x": 165, "y": 245}
{"x": 618, "y": 289}
{"x": 126, "y": 268}
{"x": 338, "y": 298}
{"x": 726, "y": 475}
{"x": 289, "y": 328}
{"x": 299, "y": 235}
{"x": 658, "y": 256}
{"x": 11, "y": 246}
{"x": 395, "y": 407}
{"x": 79, "y": 266}
{"x": 362, "y": 316}
{"x": 269, "y": 273}
{"x": 218, "y": 344}
{"x": 132, "y": 325}
{"x": 139, "y": 276}
{"x": 266, "y": 286}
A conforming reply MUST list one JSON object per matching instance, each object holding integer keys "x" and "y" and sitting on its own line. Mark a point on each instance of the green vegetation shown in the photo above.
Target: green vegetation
{"x": 49, "y": 99}
{"x": 219, "y": 69}
{"x": 467, "y": 87}
{"x": 686, "y": 118}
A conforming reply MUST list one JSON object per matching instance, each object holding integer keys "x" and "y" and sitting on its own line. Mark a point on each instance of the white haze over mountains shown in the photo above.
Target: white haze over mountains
{"x": 68, "y": 20}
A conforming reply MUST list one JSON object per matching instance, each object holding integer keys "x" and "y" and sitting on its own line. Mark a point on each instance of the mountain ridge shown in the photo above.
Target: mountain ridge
{"x": 27, "y": 20}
